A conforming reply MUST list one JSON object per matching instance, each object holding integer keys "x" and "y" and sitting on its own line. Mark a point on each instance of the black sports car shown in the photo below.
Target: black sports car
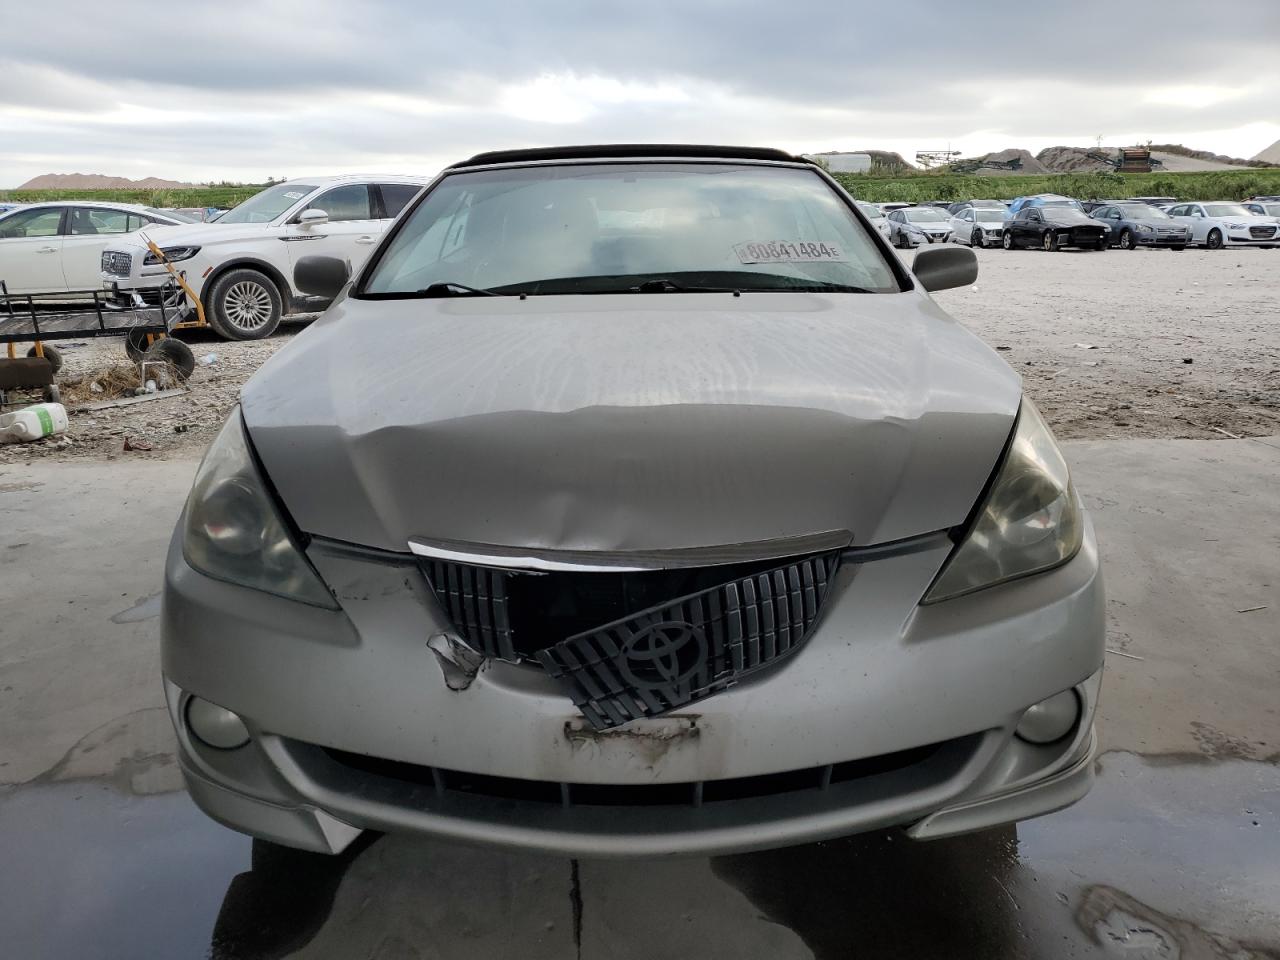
{"x": 1052, "y": 228}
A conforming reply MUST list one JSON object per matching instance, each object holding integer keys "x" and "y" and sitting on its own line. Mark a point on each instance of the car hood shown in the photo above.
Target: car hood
{"x": 631, "y": 423}
{"x": 206, "y": 233}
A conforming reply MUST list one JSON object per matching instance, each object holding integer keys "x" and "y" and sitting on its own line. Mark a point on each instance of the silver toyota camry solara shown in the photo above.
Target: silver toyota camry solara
{"x": 633, "y": 501}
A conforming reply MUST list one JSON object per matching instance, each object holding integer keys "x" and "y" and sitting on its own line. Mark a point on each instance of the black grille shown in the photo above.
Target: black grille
{"x": 628, "y": 645}
{"x": 687, "y": 793}
{"x": 1262, "y": 233}
{"x": 117, "y": 264}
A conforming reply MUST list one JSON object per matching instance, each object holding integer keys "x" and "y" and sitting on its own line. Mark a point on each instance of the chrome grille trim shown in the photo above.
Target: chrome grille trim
{"x": 116, "y": 263}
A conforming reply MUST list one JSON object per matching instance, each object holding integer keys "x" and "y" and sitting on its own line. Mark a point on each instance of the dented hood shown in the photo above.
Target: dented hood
{"x": 631, "y": 422}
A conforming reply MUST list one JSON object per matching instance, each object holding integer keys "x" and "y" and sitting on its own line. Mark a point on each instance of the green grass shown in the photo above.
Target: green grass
{"x": 1215, "y": 185}
{"x": 912, "y": 187}
{"x": 221, "y": 196}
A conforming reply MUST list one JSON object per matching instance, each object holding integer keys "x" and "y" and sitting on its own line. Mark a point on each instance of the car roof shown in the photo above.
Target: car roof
{"x": 110, "y": 204}
{"x": 616, "y": 151}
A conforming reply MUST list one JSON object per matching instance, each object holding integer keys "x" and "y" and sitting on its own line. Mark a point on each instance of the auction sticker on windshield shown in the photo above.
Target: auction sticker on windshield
{"x": 789, "y": 251}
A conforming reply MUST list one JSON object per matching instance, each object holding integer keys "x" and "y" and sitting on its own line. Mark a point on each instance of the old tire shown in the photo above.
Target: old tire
{"x": 174, "y": 352}
{"x": 244, "y": 304}
{"x": 1126, "y": 240}
{"x": 1214, "y": 240}
{"x": 135, "y": 344}
{"x": 1049, "y": 241}
{"x": 52, "y": 354}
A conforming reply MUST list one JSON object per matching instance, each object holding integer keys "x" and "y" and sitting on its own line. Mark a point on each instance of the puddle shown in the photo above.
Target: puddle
{"x": 1161, "y": 860}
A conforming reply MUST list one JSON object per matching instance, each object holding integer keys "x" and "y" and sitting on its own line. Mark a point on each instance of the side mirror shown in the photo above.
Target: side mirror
{"x": 944, "y": 267}
{"x": 321, "y": 276}
{"x": 311, "y": 217}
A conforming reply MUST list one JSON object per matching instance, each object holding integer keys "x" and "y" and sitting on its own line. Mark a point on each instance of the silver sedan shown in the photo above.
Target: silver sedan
{"x": 680, "y": 519}
{"x": 978, "y": 226}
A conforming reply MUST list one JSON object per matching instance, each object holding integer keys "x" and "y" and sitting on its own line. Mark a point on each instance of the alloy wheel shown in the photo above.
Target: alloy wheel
{"x": 247, "y": 305}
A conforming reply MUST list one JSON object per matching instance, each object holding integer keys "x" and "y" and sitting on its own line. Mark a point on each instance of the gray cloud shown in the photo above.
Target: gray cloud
{"x": 273, "y": 86}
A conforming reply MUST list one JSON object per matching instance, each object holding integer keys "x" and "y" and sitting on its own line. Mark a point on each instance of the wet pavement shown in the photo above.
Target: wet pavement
{"x": 1162, "y": 860}
{"x": 1174, "y": 855}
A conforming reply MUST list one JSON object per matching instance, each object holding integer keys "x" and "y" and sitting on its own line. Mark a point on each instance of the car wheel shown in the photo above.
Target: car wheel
{"x": 52, "y": 354}
{"x": 1126, "y": 240}
{"x": 1214, "y": 240}
{"x": 975, "y": 239}
{"x": 173, "y": 352}
{"x": 1049, "y": 241}
{"x": 245, "y": 305}
{"x": 1007, "y": 240}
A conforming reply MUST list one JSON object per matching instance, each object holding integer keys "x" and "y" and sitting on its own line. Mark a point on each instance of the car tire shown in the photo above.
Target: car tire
{"x": 1007, "y": 240}
{"x": 51, "y": 394}
{"x": 52, "y": 354}
{"x": 244, "y": 304}
{"x": 173, "y": 352}
{"x": 1049, "y": 241}
{"x": 1214, "y": 240}
{"x": 135, "y": 344}
{"x": 1102, "y": 244}
{"x": 1126, "y": 241}
{"x": 975, "y": 239}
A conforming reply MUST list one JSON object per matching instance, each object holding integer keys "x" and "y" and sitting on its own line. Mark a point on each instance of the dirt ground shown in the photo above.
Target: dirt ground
{"x": 1139, "y": 344}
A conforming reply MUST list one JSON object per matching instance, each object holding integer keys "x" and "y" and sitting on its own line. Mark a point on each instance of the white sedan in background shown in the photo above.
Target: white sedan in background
{"x": 56, "y": 247}
{"x": 875, "y": 215}
{"x": 978, "y": 226}
{"x": 1226, "y": 224}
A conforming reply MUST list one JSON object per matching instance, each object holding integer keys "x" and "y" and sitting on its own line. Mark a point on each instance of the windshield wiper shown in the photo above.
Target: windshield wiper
{"x": 667, "y": 285}
{"x": 447, "y": 288}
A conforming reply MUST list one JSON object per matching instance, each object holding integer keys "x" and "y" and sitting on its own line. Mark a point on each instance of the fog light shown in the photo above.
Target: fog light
{"x": 215, "y": 726}
{"x": 1050, "y": 719}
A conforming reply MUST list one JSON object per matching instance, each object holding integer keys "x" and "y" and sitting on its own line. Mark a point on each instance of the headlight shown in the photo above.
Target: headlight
{"x": 1237, "y": 226}
{"x": 1143, "y": 228}
{"x": 1030, "y": 521}
{"x": 233, "y": 531}
{"x": 173, "y": 254}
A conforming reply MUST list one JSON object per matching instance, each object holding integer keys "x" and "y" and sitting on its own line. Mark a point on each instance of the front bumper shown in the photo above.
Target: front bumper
{"x": 911, "y": 718}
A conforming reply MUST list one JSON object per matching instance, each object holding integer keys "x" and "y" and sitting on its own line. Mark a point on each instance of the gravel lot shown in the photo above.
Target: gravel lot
{"x": 1140, "y": 344}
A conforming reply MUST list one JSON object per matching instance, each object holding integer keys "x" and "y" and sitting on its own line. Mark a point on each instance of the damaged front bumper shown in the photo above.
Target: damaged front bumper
{"x": 883, "y": 719}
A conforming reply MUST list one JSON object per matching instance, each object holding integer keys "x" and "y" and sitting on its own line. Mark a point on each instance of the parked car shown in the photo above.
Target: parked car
{"x": 1263, "y": 208}
{"x": 977, "y": 226}
{"x": 1088, "y": 206}
{"x": 1044, "y": 200}
{"x": 913, "y": 226}
{"x": 56, "y": 247}
{"x": 1153, "y": 201}
{"x": 1136, "y": 225}
{"x": 1052, "y": 227}
{"x": 876, "y": 216}
{"x": 1000, "y": 205}
{"x": 238, "y": 265}
{"x": 633, "y": 500}
{"x": 1224, "y": 223}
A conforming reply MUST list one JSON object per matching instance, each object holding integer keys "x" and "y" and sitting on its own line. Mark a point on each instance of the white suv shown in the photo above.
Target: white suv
{"x": 241, "y": 265}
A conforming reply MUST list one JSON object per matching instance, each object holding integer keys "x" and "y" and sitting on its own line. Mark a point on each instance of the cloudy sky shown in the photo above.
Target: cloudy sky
{"x": 242, "y": 91}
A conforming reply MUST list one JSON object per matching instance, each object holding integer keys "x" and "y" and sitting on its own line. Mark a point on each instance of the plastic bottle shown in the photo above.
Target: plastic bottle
{"x": 32, "y": 423}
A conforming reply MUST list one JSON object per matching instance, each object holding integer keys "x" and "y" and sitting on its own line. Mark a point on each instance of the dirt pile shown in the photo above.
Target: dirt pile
{"x": 1076, "y": 159}
{"x": 98, "y": 181}
{"x": 1269, "y": 155}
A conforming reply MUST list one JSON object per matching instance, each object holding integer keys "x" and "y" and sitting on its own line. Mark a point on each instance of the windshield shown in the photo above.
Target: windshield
{"x": 996, "y": 204}
{"x": 1225, "y": 210}
{"x": 1071, "y": 204}
{"x": 270, "y": 203}
{"x": 609, "y": 228}
{"x": 1055, "y": 212}
{"x": 869, "y": 210}
{"x": 1271, "y": 209}
{"x": 1142, "y": 211}
{"x": 924, "y": 215}
{"x": 988, "y": 216}
{"x": 172, "y": 215}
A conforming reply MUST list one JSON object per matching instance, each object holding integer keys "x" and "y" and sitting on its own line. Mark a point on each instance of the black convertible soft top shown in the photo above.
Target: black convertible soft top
{"x": 616, "y": 150}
